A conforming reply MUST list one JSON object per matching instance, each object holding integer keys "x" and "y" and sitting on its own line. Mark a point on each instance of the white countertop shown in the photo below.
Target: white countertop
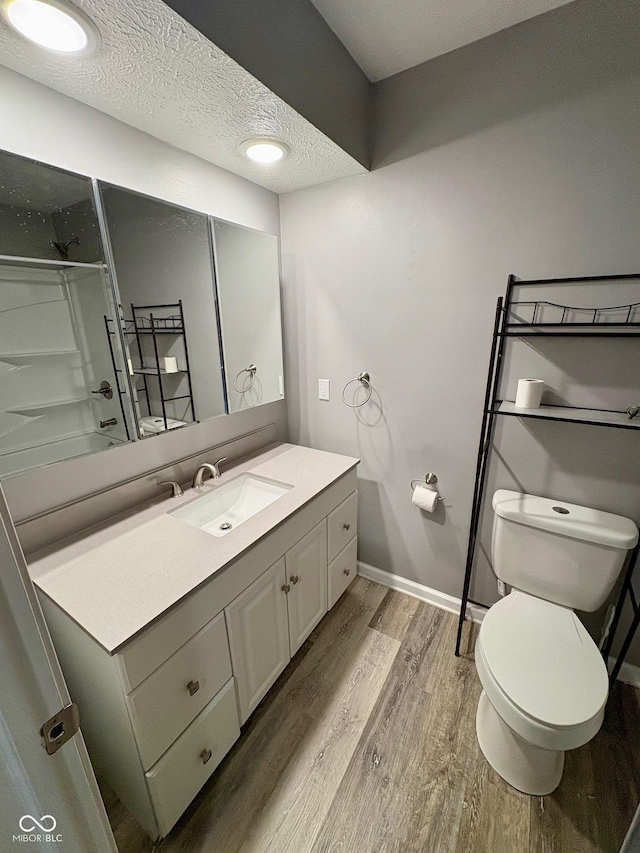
{"x": 116, "y": 578}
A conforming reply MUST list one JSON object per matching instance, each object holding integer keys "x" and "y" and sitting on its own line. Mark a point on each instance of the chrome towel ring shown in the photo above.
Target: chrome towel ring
{"x": 251, "y": 370}
{"x": 365, "y": 379}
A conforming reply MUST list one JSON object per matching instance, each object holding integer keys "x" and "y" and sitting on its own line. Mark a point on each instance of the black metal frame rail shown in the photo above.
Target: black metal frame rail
{"x": 116, "y": 372}
{"x": 503, "y": 328}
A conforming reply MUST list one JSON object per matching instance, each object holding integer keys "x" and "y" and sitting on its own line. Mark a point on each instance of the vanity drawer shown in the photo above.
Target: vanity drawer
{"x": 139, "y": 658}
{"x": 342, "y": 571}
{"x": 342, "y": 524}
{"x": 181, "y": 772}
{"x": 163, "y": 706}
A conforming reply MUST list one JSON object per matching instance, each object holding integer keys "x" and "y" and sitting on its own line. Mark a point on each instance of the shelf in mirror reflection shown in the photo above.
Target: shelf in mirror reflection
{"x": 32, "y": 356}
{"x": 153, "y": 371}
{"x": 40, "y": 408}
{"x": 47, "y": 263}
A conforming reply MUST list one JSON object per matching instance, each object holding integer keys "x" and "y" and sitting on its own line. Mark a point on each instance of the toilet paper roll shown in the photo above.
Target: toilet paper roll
{"x": 529, "y": 393}
{"x": 170, "y": 364}
{"x": 425, "y": 498}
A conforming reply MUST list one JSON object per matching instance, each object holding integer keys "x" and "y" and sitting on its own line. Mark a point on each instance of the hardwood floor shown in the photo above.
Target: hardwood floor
{"x": 367, "y": 744}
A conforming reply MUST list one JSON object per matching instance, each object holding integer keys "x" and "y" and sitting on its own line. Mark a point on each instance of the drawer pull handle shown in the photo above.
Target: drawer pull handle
{"x": 193, "y": 687}
{"x": 347, "y": 572}
{"x": 294, "y": 579}
{"x": 346, "y": 525}
{"x": 205, "y": 755}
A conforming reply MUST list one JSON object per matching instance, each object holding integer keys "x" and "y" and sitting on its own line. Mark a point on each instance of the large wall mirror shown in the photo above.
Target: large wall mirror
{"x": 164, "y": 273}
{"x": 58, "y": 384}
{"x": 123, "y": 316}
{"x": 249, "y": 294}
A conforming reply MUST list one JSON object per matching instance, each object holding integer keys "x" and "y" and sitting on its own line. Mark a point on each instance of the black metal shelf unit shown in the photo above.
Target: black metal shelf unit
{"x": 143, "y": 322}
{"x": 541, "y": 318}
{"x": 146, "y": 322}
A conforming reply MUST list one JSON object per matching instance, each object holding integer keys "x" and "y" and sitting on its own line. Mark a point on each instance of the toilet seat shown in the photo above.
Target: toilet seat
{"x": 542, "y": 671}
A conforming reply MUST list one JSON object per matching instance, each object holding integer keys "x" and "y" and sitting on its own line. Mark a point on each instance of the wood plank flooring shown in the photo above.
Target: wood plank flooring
{"x": 367, "y": 744}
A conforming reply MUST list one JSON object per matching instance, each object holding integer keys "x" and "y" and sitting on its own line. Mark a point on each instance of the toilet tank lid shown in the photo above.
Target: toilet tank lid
{"x": 578, "y": 522}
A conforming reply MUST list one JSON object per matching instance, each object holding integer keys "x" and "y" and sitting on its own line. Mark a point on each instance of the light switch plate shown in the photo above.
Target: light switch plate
{"x": 324, "y": 391}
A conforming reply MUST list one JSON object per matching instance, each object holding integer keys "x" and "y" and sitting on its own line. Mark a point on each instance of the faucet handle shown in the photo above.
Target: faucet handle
{"x": 220, "y": 461}
{"x": 176, "y": 488}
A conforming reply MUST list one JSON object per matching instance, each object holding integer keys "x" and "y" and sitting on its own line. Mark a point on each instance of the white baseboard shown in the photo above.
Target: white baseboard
{"x": 425, "y": 593}
{"x": 629, "y": 674}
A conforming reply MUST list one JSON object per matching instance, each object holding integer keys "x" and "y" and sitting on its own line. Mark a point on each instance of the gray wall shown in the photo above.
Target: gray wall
{"x": 519, "y": 153}
{"x": 290, "y": 48}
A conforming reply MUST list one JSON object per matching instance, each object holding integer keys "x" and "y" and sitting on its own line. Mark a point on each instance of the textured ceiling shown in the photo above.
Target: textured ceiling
{"x": 387, "y": 37}
{"x": 158, "y": 73}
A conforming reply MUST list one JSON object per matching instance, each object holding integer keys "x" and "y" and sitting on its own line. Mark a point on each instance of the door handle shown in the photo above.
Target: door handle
{"x": 205, "y": 755}
{"x": 193, "y": 687}
{"x": 294, "y": 579}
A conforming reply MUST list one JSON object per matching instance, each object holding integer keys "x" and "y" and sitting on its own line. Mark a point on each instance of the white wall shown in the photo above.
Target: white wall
{"x": 45, "y": 125}
{"x": 519, "y": 154}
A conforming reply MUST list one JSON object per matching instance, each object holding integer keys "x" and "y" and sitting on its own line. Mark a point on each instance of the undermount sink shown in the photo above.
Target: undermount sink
{"x": 225, "y": 507}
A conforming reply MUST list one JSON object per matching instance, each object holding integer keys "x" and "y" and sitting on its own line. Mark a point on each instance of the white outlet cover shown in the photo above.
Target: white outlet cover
{"x": 324, "y": 389}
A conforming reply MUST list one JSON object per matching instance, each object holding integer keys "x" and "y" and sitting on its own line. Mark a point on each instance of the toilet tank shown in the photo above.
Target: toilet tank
{"x": 561, "y": 552}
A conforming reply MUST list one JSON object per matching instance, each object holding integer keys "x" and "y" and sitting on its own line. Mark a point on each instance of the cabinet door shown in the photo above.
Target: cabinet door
{"x": 258, "y": 636}
{"x": 306, "y": 566}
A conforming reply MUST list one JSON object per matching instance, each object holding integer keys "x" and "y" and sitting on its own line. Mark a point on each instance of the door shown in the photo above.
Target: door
{"x": 306, "y": 565}
{"x": 47, "y": 800}
{"x": 258, "y": 636}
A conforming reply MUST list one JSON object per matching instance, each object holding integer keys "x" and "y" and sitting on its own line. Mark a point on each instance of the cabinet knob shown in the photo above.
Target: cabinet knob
{"x": 205, "y": 755}
{"x": 193, "y": 687}
{"x": 285, "y": 588}
{"x": 294, "y": 579}
{"x": 347, "y": 572}
{"x": 346, "y": 525}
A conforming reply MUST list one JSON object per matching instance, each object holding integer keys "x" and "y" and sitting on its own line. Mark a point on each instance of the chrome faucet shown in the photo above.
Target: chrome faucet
{"x": 214, "y": 470}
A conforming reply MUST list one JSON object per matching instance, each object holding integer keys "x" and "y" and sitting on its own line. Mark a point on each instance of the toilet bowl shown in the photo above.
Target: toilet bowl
{"x": 545, "y": 684}
{"x": 545, "y": 687}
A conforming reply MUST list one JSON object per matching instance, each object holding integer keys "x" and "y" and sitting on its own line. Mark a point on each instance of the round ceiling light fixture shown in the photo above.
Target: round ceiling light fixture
{"x": 262, "y": 149}
{"x": 53, "y": 24}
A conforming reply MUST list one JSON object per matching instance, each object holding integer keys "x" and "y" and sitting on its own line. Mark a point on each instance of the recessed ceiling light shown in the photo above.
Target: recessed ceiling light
{"x": 54, "y": 24}
{"x": 264, "y": 150}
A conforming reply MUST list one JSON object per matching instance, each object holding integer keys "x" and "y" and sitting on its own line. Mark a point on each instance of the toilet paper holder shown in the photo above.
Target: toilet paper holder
{"x": 430, "y": 479}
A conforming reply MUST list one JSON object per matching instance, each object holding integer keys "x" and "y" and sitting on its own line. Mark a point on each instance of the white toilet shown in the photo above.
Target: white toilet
{"x": 545, "y": 682}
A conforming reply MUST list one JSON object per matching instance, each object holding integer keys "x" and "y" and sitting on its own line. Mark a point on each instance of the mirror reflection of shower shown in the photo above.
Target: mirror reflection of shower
{"x": 53, "y": 351}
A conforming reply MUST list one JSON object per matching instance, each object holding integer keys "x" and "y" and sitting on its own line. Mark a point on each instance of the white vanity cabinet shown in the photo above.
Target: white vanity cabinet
{"x": 306, "y": 585}
{"x": 160, "y": 711}
{"x": 271, "y": 619}
{"x": 259, "y": 636}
